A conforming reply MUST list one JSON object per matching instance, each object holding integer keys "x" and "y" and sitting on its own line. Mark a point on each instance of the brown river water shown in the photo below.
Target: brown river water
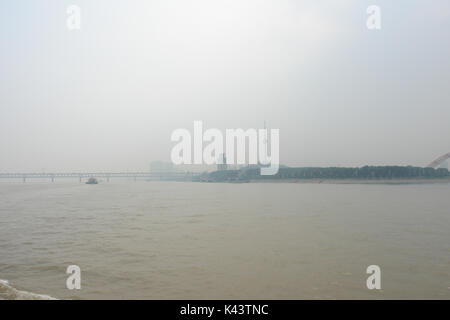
{"x": 182, "y": 240}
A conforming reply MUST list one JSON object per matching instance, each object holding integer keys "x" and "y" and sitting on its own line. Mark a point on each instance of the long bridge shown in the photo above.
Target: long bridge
{"x": 105, "y": 175}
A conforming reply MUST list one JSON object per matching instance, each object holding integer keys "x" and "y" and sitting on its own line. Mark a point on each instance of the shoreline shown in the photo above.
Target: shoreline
{"x": 355, "y": 181}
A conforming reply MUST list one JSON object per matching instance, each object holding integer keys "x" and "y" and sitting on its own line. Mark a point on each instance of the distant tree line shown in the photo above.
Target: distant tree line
{"x": 366, "y": 172}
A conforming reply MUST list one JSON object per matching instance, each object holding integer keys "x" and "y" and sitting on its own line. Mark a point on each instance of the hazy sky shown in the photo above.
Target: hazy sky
{"x": 107, "y": 97}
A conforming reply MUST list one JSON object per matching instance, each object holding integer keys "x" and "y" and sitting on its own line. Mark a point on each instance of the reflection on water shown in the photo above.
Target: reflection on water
{"x": 170, "y": 240}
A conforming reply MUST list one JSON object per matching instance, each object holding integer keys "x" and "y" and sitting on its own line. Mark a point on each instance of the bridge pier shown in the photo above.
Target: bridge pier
{"x": 24, "y": 179}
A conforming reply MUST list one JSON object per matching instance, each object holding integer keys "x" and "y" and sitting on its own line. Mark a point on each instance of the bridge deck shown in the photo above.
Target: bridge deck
{"x": 54, "y": 175}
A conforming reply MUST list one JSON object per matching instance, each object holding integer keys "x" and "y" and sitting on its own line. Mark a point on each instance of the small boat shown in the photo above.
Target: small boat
{"x": 92, "y": 181}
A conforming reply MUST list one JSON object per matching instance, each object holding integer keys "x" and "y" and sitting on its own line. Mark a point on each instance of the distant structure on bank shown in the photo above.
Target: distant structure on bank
{"x": 439, "y": 161}
{"x": 222, "y": 159}
{"x": 222, "y": 162}
{"x": 162, "y": 168}
{"x": 444, "y": 165}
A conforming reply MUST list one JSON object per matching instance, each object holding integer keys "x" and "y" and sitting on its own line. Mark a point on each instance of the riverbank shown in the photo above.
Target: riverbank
{"x": 355, "y": 181}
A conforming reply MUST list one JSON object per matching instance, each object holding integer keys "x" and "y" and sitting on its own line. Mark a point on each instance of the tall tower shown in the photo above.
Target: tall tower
{"x": 264, "y": 160}
{"x": 222, "y": 162}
